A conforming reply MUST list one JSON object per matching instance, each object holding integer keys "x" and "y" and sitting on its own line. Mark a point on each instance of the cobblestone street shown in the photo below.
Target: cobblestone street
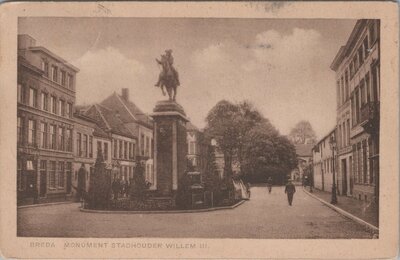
{"x": 263, "y": 216}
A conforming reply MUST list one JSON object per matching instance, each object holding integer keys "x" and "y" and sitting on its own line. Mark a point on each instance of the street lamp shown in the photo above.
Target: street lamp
{"x": 332, "y": 143}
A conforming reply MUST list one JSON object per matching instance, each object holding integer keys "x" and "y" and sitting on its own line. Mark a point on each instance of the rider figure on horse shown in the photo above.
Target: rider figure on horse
{"x": 167, "y": 60}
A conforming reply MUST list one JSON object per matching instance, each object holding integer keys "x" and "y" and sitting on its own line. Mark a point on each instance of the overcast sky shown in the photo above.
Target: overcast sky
{"x": 282, "y": 66}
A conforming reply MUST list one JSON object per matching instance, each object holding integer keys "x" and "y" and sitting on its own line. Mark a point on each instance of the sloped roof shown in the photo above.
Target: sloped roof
{"x": 304, "y": 150}
{"x": 128, "y": 111}
{"x": 137, "y": 112}
{"x": 112, "y": 120}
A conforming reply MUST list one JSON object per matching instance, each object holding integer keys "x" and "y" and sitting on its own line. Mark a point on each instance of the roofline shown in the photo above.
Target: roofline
{"x": 353, "y": 36}
{"x": 102, "y": 116}
{"x": 127, "y": 109}
{"x": 325, "y": 136}
{"x": 48, "y": 52}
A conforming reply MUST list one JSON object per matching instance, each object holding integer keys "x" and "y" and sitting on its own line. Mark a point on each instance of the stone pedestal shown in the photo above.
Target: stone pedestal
{"x": 170, "y": 148}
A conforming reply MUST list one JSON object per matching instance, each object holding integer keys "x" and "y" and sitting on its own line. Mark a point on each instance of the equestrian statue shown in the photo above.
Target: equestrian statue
{"x": 169, "y": 77}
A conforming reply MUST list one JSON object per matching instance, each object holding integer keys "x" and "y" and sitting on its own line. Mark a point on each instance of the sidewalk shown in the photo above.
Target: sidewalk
{"x": 366, "y": 211}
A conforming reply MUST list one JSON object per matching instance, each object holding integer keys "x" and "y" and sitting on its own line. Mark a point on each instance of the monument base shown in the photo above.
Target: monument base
{"x": 170, "y": 148}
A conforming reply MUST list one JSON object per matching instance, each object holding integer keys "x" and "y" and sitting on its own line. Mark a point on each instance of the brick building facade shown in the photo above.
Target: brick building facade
{"x": 46, "y": 96}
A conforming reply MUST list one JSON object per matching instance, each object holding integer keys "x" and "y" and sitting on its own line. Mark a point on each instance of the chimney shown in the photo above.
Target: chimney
{"x": 125, "y": 94}
{"x": 25, "y": 41}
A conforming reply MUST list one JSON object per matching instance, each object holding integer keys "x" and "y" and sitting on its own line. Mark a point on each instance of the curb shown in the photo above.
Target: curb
{"x": 160, "y": 211}
{"x": 45, "y": 204}
{"x": 345, "y": 213}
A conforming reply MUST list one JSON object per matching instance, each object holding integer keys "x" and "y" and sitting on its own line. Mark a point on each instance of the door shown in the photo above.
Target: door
{"x": 344, "y": 179}
{"x": 43, "y": 184}
{"x": 351, "y": 175}
{"x": 69, "y": 184}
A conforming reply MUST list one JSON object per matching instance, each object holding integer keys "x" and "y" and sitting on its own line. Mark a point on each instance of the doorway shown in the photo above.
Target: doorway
{"x": 43, "y": 184}
{"x": 344, "y": 175}
{"x": 351, "y": 175}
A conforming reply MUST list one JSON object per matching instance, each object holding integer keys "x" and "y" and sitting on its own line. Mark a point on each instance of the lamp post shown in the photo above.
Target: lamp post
{"x": 332, "y": 143}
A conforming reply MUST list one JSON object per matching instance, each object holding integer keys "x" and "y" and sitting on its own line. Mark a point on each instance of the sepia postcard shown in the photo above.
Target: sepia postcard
{"x": 198, "y": 130}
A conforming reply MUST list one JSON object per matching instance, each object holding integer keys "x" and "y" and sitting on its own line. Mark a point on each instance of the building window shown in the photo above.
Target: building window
{"x": 147, "y": 146}
{"x": 351, "y": 70}
{"x": 19, "y": 174}
{"x": 20, "y": 93}
{"x": 142, "y": 145}
{"x": 43, "y": 168}
{"x": 130, "y": 150}
{"x": 348, "y": 131}
{"x": 60, "y": 144}
{"x": 31, "y": 132}
{"x": 53, "y": 104}
{"x": 45, "y": 68}
{"x": 52, "y": 174}
{"x": 133, "y": 150}
{"x": 371, "y": 161}
{"x": 372, "y": 33}
{"x": 152, "y": 148}
{"x": 359, "y": 165}
{"x": 69, "y": 110}
{"x": 355, "y": 62}
{"x": 126, "y": 150}
{"x": 115, "y": 149}
{"x": 367, "y": 87}
{"x": 120, "y": 149}
{"x": 61, "y": 104}
{"x": 68, "y": 172}
{"x": 54, "y": 73}
{"x": 365, "y": 45}
{"x": 364, "y": 168}
{"x": 360, "y": 55}
{"x": 60, "y": 176}
{"x": 68, "y": 137}
{"x": 32, "y": 97}
{"x": 43, "y": 135}
{"x": 91, "y": 146}
{"x": 357, "y": 106}
{"x": 99, "y": 147}
{"x": 84, "y": 146}
{"x": 346, "y": 85}
{"x": 19, "y": 130}
{"x": 192, "y": 147}
{"x": 63, "y": 77}
{"x": 44, "y": 101}
{"x": 105, "y": 151}
{"x": 362, "y": 91}
{"x": 78, "y": 144}
{"x": 70, "y": 81}
{"x": 52, "y": 139}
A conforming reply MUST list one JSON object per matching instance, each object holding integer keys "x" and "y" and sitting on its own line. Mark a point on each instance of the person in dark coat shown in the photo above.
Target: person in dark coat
{"x": 269, "y": 184}
{"x": 290, "y": 189}
{"x": 115, "y": 188}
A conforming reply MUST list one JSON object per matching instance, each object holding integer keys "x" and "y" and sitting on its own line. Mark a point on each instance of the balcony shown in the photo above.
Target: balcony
{"x": 370, "y": 117}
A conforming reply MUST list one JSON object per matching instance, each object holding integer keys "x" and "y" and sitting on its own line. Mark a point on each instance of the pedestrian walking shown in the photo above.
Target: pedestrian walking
{"x": 290, "y": 189}
{"x": 269, "y": 184}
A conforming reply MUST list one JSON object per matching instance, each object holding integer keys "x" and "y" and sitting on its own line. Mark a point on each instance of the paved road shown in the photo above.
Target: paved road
{"x": 264, "y": 216}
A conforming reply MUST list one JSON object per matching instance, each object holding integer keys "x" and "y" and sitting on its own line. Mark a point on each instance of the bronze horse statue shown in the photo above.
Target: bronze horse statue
{"x": 168, "y": 78}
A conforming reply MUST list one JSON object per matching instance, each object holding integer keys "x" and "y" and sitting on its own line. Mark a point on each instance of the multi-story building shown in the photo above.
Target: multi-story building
{"x": 323, "y": 160}
{"x": 120, "y": 152}
{"x": 304, "y": 156}
{"x": 140, "y": 125}
{"x": 88, "y": 139}
{"x": 197, "y": 150}
{"x": 358, "y": 87}
{"x": 46, "y": 96}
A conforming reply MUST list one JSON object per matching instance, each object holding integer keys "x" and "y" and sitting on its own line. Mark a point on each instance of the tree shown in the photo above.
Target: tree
{"x": 223, "y": 127}
{"x": 100, "y": 184}
{"x": 303, "y": 133}
{"x": 138, "y": 183}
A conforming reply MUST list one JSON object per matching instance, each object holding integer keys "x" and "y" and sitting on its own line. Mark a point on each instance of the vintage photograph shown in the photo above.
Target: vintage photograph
{"x": 256, "y": 128}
